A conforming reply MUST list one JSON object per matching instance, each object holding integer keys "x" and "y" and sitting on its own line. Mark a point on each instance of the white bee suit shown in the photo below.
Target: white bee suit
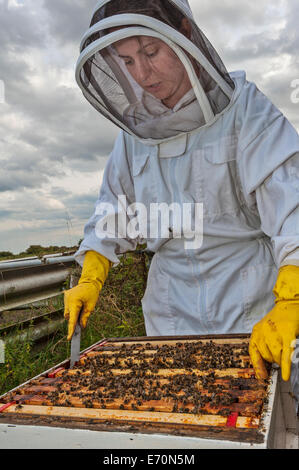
{"x": 234, "y": 153}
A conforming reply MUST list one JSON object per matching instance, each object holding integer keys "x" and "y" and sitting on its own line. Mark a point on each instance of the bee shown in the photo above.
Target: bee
{"x": 88, "y": 403}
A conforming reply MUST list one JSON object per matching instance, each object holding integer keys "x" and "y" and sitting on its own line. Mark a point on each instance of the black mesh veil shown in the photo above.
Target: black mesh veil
{"x": 147, "y": 66}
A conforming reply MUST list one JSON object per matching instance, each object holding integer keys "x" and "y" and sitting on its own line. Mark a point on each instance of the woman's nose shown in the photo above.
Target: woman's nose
{"x": 143, "y": 70}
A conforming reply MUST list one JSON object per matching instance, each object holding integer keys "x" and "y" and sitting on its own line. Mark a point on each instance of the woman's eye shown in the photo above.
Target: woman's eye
{"x": 152, "y": 54}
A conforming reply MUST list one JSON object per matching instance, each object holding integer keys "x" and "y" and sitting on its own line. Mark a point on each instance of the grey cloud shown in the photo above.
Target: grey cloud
{"x": 69, "y": 19}
{"x": 24, "y": 169}
{"x": 58, "y": 192}
{"x": 262, "y": 46}
{"x": 21, "y": 27}
{"x": 242, "y": 20}
{"x": 231, "y": 14}
{"x": 81, "y": 207}
{"x": 20, "y": 180}
{"x": 4, "y": 214}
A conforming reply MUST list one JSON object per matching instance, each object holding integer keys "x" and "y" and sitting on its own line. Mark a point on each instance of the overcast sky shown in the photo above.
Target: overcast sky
{"x": 54, "y": 145}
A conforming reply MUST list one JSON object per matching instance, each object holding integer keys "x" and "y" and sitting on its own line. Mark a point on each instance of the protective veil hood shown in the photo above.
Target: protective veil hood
{"x": 147, "y": 67}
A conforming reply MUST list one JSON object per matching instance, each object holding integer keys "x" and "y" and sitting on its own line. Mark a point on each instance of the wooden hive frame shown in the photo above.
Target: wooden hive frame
{"x": 197, "y": 386}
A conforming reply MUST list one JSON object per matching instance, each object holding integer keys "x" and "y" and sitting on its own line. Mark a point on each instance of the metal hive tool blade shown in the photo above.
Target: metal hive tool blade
{"x": 75, "y": 345}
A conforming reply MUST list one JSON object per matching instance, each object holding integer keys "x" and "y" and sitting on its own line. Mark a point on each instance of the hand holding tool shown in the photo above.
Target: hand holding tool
{"x": 83, "y": 297}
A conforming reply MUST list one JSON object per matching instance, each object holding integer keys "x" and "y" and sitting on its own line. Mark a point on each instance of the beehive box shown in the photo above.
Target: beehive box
{"x": 196, "y": 389}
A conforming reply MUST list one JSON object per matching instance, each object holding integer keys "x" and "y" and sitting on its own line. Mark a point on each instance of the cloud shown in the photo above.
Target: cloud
{"x": 50, "y": 137}
{"x": 69, "y": 19}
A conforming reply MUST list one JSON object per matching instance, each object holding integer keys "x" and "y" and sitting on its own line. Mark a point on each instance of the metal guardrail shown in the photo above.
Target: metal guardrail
{"x": 35, "y": 261}
{"x": 27, "y": 281}
{"x": 34, "y": 329}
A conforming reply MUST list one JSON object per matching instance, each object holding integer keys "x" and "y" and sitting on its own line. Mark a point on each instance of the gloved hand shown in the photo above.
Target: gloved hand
{"x": 86, "y": 293}
{"x": 273, "y": 338}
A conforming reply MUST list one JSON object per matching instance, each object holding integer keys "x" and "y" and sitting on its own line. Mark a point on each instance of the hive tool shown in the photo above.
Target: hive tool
{"x": 75, "y": 343}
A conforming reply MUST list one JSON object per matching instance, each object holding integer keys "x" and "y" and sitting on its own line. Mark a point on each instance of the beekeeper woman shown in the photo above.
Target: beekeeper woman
{"x": 193, "y": 135}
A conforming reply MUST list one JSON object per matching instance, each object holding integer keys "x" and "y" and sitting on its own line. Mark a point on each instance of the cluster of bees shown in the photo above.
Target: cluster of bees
{"x": 126, "y": 377}
{"x": 140, "y": 384}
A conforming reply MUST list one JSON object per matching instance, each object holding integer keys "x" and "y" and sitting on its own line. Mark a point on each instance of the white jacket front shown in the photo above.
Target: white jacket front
{"x": 244, "y": 170}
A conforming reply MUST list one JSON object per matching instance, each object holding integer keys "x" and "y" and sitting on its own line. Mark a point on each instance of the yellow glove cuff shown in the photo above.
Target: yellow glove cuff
{"x": 287, "y": 284}
{"x": 95, "y": 269}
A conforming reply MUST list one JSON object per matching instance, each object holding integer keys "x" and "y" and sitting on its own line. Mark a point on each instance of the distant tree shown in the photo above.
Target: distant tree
{"x": 38, "y": 250}
{"x": 35, "y": 250}
{"x": 6, "y": 254}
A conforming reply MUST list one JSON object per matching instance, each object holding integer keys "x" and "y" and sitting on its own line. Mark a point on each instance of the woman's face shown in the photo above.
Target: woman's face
{"x": 155, "y": 67}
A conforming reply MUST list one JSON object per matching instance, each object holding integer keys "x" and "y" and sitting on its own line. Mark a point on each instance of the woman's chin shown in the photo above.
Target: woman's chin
{"x": 157, "y": 94}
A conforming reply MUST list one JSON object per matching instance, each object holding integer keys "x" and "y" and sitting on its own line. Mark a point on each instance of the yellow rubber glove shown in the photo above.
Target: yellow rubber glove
{"x": 86, "y": 293}
{"x": 273, "y": 339}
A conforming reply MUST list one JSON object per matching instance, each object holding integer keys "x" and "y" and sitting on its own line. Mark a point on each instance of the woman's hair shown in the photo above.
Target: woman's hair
{"x": 161, "y": 10}
{"x": 168, "y": 13}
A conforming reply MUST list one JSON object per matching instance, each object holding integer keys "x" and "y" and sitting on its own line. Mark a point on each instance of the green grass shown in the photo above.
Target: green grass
{"x": 118, "y": 314}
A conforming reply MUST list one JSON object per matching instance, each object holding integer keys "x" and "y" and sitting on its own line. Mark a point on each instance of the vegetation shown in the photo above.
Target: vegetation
{"x": 37, "y": 250}
{"x": 118, "y": 314}
{"x": 6, "y": 254}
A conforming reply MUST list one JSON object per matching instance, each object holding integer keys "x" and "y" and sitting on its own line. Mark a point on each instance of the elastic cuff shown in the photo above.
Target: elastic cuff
{"x": 290, "y": 262}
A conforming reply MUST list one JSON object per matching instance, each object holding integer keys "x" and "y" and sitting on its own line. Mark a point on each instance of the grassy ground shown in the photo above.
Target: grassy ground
{"x": 118, "y": 314}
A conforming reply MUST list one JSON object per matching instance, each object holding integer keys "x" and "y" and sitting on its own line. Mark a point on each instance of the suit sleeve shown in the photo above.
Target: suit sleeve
{"x": 105, "y": 232}
{"x": 278, "y": 205}
{"x": 269, "y": 171}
